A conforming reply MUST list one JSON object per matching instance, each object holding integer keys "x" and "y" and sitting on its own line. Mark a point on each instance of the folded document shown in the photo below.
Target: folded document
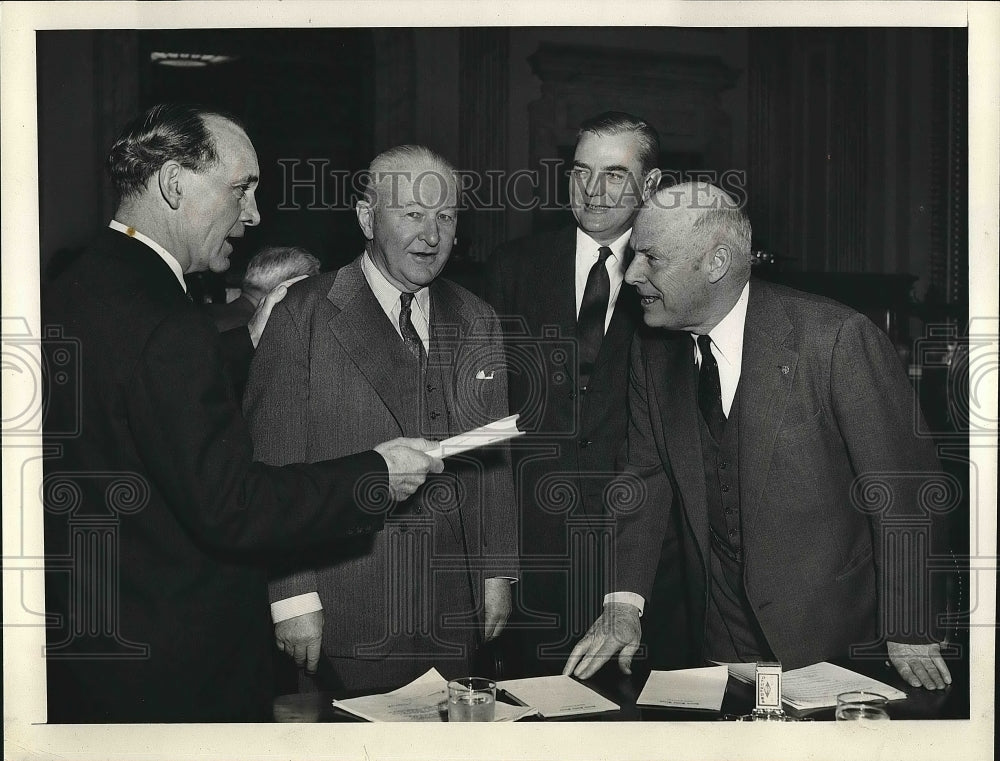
{"x": 702, "y": 688}
{"x": 556, "y": 696}
{"x": 423, "y": 699}
{"x": 491, "y": 433}
{"x": 818, "y": 685}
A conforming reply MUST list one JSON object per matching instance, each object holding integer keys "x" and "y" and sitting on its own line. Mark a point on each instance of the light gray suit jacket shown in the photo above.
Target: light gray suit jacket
{"x": 837, "y": 490}
{"x": 331, "y": 376}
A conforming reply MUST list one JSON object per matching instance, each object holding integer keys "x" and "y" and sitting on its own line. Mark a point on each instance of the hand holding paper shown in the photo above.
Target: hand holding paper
{"x": 491, "y": 433}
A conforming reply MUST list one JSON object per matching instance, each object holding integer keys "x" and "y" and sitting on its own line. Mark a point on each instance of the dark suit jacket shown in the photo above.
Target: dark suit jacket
{"x": 531, "y": 284}
{"x": 155, "y": 511}
{"x": 565, "y": 464}
{"x": 331, "y": 377}
{"x": 828, "y": 461}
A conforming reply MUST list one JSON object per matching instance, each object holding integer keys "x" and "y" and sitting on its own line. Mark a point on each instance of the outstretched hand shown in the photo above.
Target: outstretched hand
{"x": 617, "y": 630}
{"x": 920, "y": 665}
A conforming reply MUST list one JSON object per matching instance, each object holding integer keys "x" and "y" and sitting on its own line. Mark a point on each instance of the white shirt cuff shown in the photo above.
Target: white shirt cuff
{"x": 290, "y": 607}
{"x": 630, "y": 597}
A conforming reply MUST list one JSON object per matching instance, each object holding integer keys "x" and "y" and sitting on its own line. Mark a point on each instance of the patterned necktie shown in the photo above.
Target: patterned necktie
{"x": 593, "y": 312}
{"x": 409, "y": 333}
{"x": 710, "y": 390}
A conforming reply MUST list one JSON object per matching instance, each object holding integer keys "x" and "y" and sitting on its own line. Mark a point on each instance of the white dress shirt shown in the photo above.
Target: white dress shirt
{"x": 587, "y": 253}
{"x": 175, "y": 266}
{"x": 727, "y": 348}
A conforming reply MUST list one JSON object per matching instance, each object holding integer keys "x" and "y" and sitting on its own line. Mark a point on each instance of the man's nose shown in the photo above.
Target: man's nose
{"x": 594, "y": 186}
{"x": 429, "y": 232}
{"x": 251, "y": 215}
{"x": 636, "y": 272}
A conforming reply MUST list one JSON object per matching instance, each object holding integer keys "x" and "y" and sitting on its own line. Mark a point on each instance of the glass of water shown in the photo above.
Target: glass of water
{"x": 861, "y": 705}
{"x": 472, "y": 698}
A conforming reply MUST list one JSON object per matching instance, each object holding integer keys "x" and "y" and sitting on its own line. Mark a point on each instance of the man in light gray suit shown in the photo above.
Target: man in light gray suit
{"x": 383, "y": 344}
{"x": 781, "y": 426}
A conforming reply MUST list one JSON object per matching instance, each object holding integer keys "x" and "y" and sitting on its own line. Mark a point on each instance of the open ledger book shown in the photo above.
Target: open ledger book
{"x": 818, "y": 685}
{"x": 423, "y": 699}
{"x": 491, "y": 433}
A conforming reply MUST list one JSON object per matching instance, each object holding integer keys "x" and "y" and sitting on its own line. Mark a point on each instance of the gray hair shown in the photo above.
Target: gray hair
{"x": 396, "y": 160}
{"x": 272, "y": 265}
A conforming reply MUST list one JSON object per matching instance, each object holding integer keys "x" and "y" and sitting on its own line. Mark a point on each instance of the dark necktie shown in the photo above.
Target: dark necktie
{"x": 409, "y": 333}
{"x": 593, "y": 311}
{"x": 710, "y": 390}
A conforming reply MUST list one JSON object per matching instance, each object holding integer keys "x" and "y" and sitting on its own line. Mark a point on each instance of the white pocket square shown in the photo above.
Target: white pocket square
{"x": 483, "y": 375}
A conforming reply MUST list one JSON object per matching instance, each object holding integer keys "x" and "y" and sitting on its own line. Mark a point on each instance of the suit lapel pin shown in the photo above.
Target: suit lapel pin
{"x": 784, "y": 369}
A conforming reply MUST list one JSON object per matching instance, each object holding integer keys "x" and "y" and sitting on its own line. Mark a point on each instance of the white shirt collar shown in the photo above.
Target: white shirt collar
{"x": 166, "y": 256}
{"x": 587, "y": 251}
{"x": 387, "y": 296}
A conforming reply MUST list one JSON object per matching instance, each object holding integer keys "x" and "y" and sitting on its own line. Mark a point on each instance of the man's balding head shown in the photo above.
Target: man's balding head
{"x": 186, "y": 177}
{"x": 692, "y": 246}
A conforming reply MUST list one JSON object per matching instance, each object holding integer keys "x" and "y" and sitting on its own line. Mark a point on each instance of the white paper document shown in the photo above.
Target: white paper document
{"x": 556, "y": 696}
{"x": 491, "y": 433}
{"x": 701, "y": 688}
{"x": 423, "y": 699}
{"x": 818, "y": 685}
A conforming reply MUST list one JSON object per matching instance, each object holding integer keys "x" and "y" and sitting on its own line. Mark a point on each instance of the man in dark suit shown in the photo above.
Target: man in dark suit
{"x": 781, "y": 426}
{"x": 568, "y": 324}
{"x": 266, "y": 270}
{"x": 155, "y": 513}
{"x": 385, "y": 346}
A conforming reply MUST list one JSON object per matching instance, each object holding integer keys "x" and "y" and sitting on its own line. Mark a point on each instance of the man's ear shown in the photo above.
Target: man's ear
{"x": 169, "y": 180}
{"x": 366, "y": 216}
{"x": 719, "y": 262}
{"x": 651, "y": 183}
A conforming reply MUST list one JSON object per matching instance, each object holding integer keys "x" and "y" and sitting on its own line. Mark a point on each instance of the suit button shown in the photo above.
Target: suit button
{"x": 732, "y": 533}
{"x": 572, "y": 395}
{"x": 431, "y": 388}
{"x": 583, "y": 389}
{"x": 723, "y": 465}
{"x": 435, "y": 415}
{"x": 729, "y": 511}
{"x": 725, "y": 488}
{"x": 584, "y": 443}
{"x": 418, "y": 509}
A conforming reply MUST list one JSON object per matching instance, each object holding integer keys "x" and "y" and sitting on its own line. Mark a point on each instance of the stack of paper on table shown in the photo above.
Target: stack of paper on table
{"x": 491, "y": 433}
{"x": 702, "y": 688}
{"x": 817, "y": 686}
{"x": 423, "y": 699}
{"x": 555, "y": 696}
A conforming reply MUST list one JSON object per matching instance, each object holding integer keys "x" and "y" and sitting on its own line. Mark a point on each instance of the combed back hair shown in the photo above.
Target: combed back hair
{"x": 727, "y": 222}
{"x": 166, "y": 132}
{"x": 272, "y": 265}
{"x": 396, "y": 160}
{"x": 618, "y": 123}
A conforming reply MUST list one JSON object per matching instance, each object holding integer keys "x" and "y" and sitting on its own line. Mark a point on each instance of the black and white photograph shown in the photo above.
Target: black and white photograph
{"x": 555, "y": 366}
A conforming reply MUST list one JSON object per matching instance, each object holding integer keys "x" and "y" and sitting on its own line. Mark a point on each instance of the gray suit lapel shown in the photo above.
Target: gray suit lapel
{"x": 672, "y": 374}
{"x": 368, "y": 337}
{"x": 449, "y": 330}
{"x": 766, "y": 381}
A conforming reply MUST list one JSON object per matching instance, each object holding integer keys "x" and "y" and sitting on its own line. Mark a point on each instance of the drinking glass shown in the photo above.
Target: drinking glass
{"x": 472, "y": 698}
{"x": 861, "y": 705}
